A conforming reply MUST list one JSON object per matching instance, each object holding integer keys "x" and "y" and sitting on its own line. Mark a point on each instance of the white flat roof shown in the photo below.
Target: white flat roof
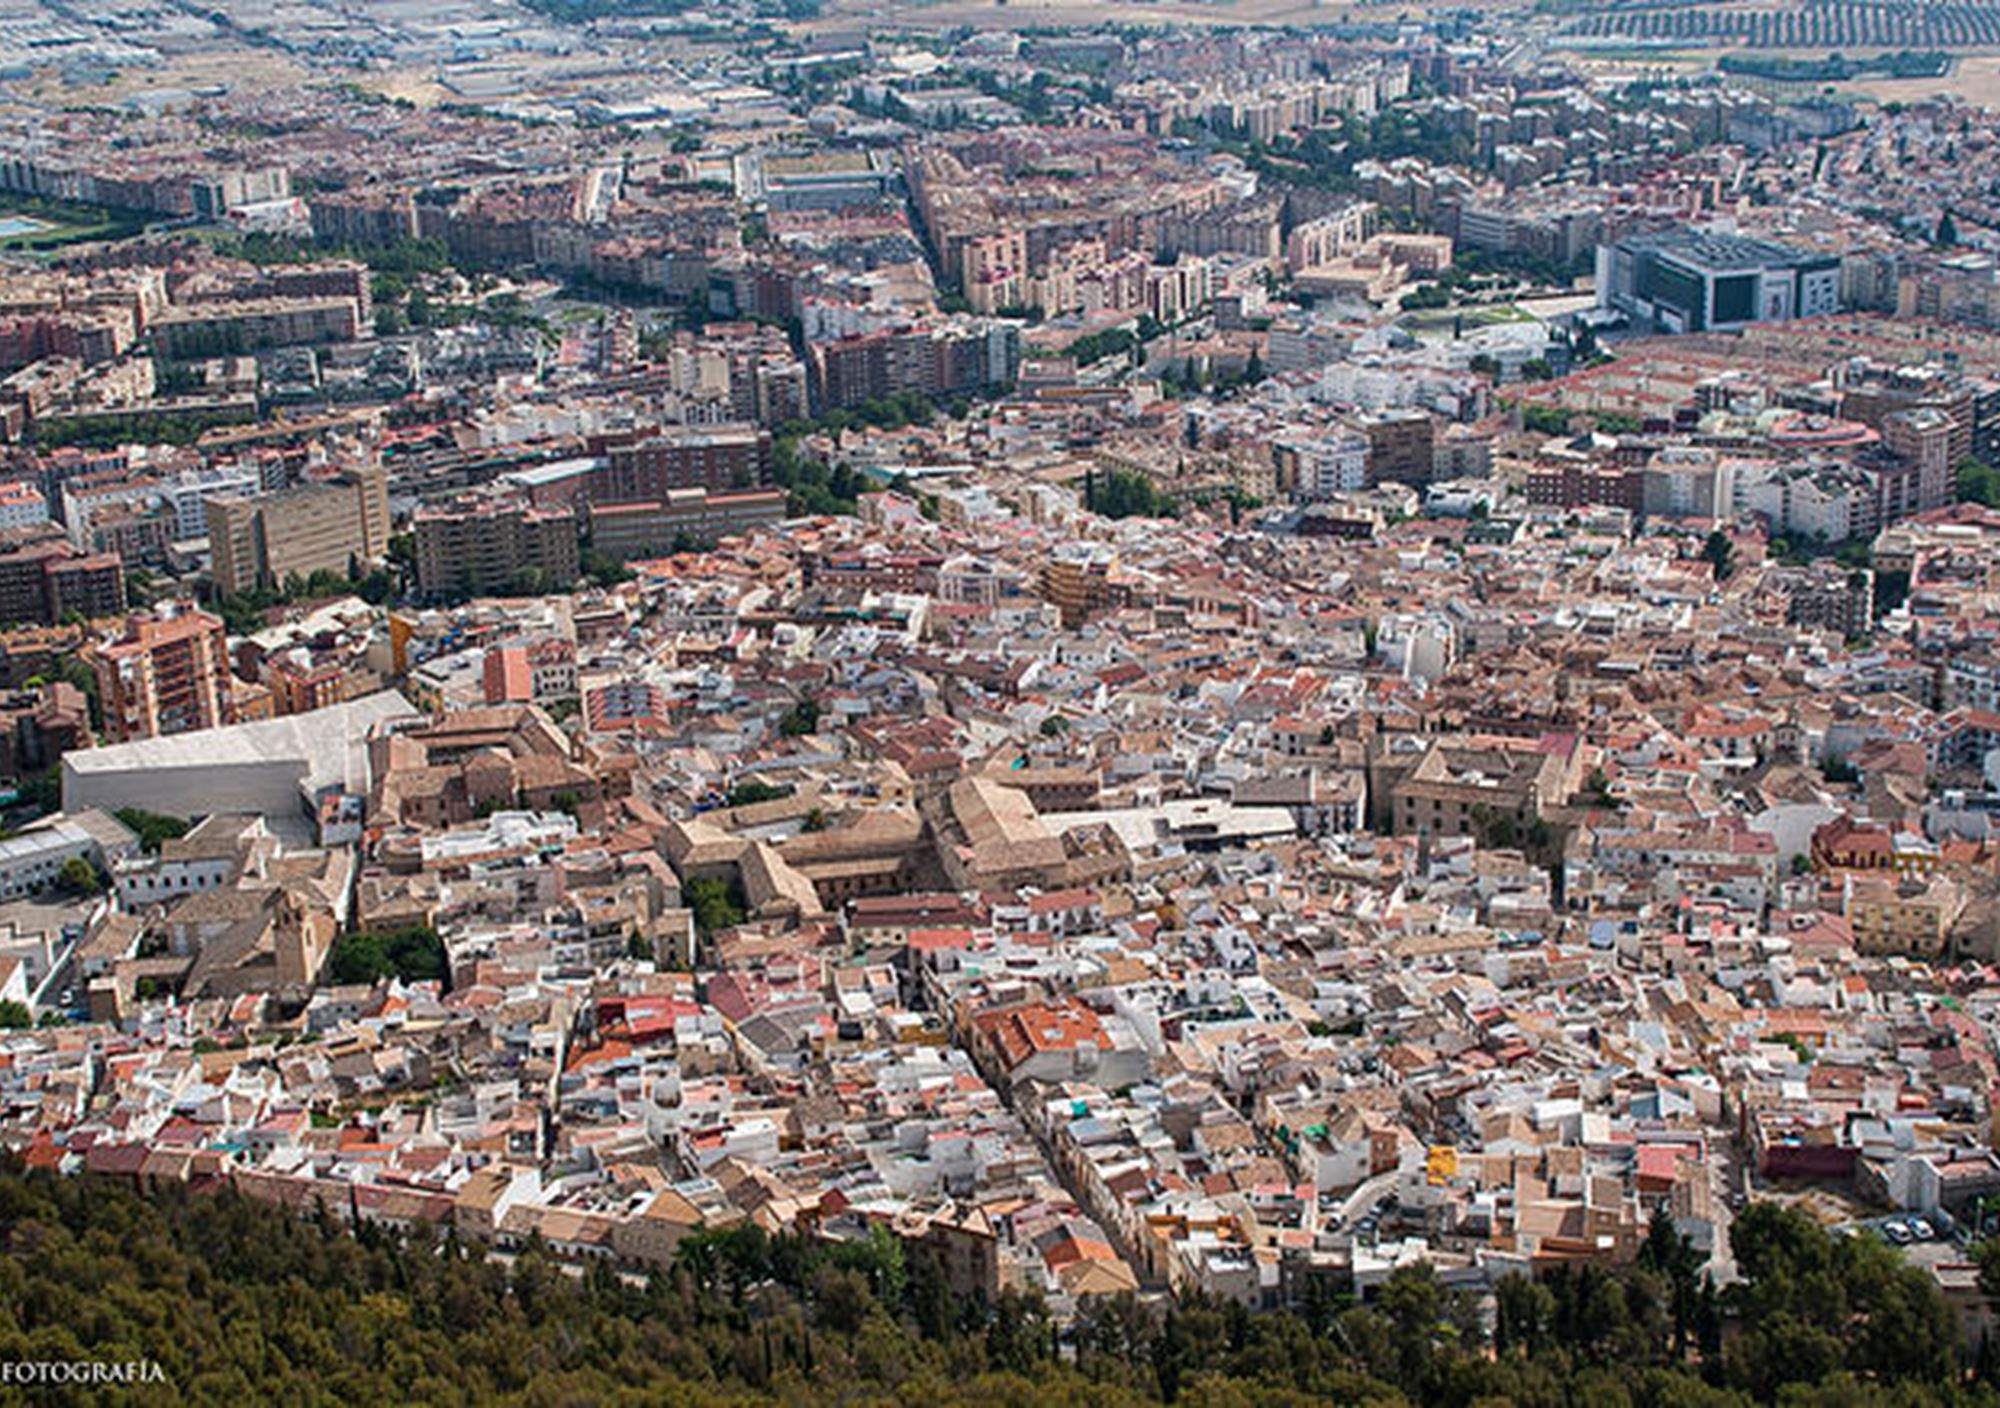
{"x": 331, "y": 742}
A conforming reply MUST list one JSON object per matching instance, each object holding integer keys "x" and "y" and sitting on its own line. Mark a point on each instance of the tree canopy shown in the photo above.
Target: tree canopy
{"x": 239, "y": 1301}
{"x": 1126, "y": 493}
{"x": 152, "y": 828}
{"x": 414, "y": 955}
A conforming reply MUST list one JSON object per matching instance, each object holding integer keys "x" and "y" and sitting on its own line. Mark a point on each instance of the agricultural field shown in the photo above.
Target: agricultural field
{"x": 1972, "y": 76}
{"x": 1841, "y": 26}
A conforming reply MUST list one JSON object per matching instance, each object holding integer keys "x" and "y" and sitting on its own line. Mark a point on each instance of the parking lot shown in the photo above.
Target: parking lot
{"x": 1908, "y": 1230}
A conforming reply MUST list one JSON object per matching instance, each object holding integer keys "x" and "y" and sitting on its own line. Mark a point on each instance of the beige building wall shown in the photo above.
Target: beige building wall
{"x": 311, "y": 529}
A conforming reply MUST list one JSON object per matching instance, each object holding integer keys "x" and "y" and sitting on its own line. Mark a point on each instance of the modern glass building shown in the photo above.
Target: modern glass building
{"x": 1697, "y": 281}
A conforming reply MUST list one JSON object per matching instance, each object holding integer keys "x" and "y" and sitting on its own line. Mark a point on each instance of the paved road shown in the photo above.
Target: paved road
{"x": 1726, "y": 1179}
{"x": 1364, "y": 1195}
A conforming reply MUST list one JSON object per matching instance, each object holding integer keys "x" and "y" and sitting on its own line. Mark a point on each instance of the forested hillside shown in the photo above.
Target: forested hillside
{"x": 242, "y": 1304}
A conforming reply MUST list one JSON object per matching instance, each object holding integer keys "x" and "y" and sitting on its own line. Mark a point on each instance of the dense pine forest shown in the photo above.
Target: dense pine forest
{"x": 240, "y": 1303}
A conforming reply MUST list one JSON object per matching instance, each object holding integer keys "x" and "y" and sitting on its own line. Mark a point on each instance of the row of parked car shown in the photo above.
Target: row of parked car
{"x": 1904, "y": 1230}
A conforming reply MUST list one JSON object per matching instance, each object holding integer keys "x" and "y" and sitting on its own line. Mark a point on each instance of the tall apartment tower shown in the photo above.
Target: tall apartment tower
{"x": 167, "y": 674}
{"x": 371, "y": 488}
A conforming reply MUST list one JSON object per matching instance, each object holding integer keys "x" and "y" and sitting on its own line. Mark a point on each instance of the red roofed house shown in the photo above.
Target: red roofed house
{"x": 1040, "y": 1041}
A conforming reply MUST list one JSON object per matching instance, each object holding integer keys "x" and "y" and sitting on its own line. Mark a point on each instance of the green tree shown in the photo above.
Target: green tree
{"x": 1976, "y": 482}
{"x": 1596, "y": 791}
{"x": 413, "y": 954}
{"x": 152, "y": 828}
{"x": 1671, "y": 1254}
{"x": 139, "y": 588}
{"x": 750, "y": 792}
{"x": 1547, "y": 420}
{"x": 79, "y": 877}
{"x": 1524, "y": 1309}
{"x": 801, "y": 719}
{"x": 1017, "y": 1338}
{"x": 601, "y": 570}
{"x": 1813, "y": 1307}
{"x": 717, "y": 905}
{"x": 1123, "y": 493}
{"x": 229, "y": 1292}
{"x": 43, "y": 791}
{"x": 1719, "y": 552}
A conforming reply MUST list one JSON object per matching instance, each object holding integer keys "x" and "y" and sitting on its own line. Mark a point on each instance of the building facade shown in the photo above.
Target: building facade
{"x": 477, "y": 546}
{"x": 165, "y": 675}
{"x": 1688, "y": 280}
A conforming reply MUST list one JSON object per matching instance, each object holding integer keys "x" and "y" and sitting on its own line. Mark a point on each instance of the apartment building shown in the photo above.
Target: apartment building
{"x": 929, "y": 361}
{"x": 166, "y": 674}
{"x": 44, "y": 578}
{"x": 1401, "y": 447}
{"x": 626, "y": 531}
{"x": 483, "y": 545}
{"x": 1911, "y": 915}
{"x": 38, "y": 726}
{"x": 1687, "y": 482}
{"x": 1076, "y": 579}
{"x": 1318, "y": 466}
{"x": 1246, "y": 227}
{"x": 530, "y": 671}
{"x": 1925, "y": 436}
{"x": 329, "y": 526}
{"x": 363, "y": 218}
{"x": 646, "y": 470}
{"x": 22, "y": 506}
{"x": 1331, "y": 236}
{"x": 209, "y": 329}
